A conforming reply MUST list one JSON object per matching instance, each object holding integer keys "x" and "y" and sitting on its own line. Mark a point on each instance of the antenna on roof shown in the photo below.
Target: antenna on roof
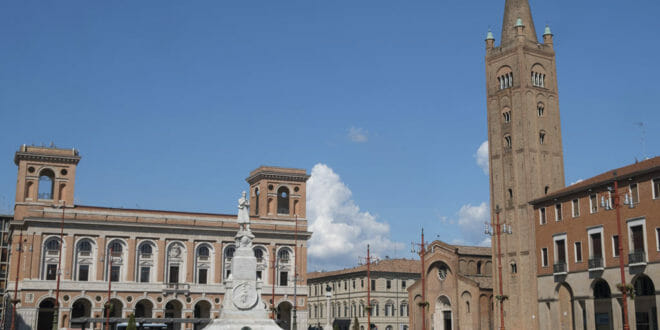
{"x": 643, "y": 138}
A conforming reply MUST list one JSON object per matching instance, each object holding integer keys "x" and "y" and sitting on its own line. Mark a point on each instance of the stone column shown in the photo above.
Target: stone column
{"x": 590, "y": 314}
{"x": 616, "y": 314}
{"x": 578, "y": 321}
{"x": 632, "y": 319}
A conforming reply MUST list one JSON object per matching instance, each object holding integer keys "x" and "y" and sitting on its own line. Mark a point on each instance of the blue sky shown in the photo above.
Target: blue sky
{"x": 173, "y": 103}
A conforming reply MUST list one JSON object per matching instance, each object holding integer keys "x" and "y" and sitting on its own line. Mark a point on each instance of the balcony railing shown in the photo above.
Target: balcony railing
{"x": 637, "y": 258}
{"x": 176, "y": 288}
{"x": 45, "y": 196}
{"x": 596, "y": 263}
{"x": 560, "y": 268}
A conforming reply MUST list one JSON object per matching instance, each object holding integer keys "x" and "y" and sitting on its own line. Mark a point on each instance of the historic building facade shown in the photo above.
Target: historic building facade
{"x": 578, "y": 242}
{"x": 525, "y": 146}
{"x": 390, "y": 279}
{"x": 459, "y": 289}
{"x": 5, "y": 241}
{"x": 161, "y": 264}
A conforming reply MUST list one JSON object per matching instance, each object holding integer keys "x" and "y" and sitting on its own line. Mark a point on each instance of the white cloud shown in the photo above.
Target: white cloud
{"x": 341, "y": 231}
{"x": 482, "y": 156}
{"x": 576, "y": 182}
{"x": 470, "y": 222}
{"x": 358, "y": 135}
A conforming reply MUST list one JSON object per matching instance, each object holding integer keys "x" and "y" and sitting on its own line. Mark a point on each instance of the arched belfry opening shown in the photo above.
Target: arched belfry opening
{"x": 283, "y": 200}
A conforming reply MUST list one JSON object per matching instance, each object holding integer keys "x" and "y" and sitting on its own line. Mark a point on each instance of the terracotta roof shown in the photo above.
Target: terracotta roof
{"x": 387, "y": 265}
{"x": 621, "y": 173}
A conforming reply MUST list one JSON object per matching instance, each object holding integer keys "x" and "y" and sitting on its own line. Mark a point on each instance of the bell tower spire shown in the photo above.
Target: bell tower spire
{"x": 515, "y": 10}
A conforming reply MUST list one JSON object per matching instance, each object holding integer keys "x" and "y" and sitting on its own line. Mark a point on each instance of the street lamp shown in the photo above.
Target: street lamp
{"x": 498, "y": 231}
{"x": 608, "y": 205}
{"x": 422, "y": 252}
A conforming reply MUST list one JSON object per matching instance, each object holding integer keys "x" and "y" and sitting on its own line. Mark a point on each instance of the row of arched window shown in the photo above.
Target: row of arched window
{"x": 506, "y": 113}
{"x": 505, "y": 77}
{"x": 508, "y": 141}
{"x": 147, "y": 261}
{"x": 360, "y": 310}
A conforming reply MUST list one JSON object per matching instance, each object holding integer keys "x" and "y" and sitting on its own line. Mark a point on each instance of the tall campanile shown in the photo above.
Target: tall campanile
{"x": 526, "y": 157}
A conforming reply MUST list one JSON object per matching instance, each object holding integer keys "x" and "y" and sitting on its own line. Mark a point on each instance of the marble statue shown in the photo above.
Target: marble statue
{"x": 242, "y": 307}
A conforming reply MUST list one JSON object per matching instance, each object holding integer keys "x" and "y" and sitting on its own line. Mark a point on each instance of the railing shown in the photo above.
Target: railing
{"x": 45, "y": 195}
{"x": 560, "y": 268}
{"x": 596, "y": 263}
{"x": 145, "y": 255}
{"x": 176, "y": 288}
{"x": 637, "y": 258}
{"x": 203, "y": 258}
{"x": 85, "y": 253}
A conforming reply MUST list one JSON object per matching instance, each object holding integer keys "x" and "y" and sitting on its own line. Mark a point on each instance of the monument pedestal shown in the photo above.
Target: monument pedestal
{"x": 242, "y": 307}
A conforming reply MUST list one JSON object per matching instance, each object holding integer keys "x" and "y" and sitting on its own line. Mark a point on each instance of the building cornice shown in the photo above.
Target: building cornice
{"x": 280, "y": 176}
{"x": 62, "y": 159}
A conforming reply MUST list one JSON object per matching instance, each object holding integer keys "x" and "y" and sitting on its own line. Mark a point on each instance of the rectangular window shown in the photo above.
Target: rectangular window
{"x": 403, "y": 284}
{"x": 544, "y": 257}
{"x": 83, "y": 273}
{"x": 345, "y": 285}
{"x": 174, "y": 274}
{"x": 144, "y": 274}
{"x": 593, "y": 203}
{"x": 542, "y": 216}
{"x": 578, "y": 252}
{"x": 201, "y": 276}
{"x": 558, "y": 212}
{"x": 615, "y": 246}
{"x": 596, "y": 245}
{"x": 656, "y": 188}
{"x": 51, "y": 272}
{"x": 388, "y": 284}
{"x": 560, "y": 247}
{"x": 576, "y": 208}
{"x": 362, "y": 283}
{"x": 657, "y": 238}
{"x": 353, "y": 284}
{"x": 634, "y": 193}
{"x": 284, "y": 279}
{"x": 373, "y": 285}
{"x": 637, "y": 238}
{"x": 114, "y": 273}
{"x": 258, "y": 274}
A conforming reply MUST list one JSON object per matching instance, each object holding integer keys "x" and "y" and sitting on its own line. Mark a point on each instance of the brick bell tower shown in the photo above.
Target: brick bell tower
{"x": 525, "y": 146}
{"x": 278, "y": 193}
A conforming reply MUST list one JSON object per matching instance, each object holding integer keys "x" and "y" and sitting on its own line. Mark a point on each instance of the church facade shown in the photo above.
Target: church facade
{"x": 74, "y": 261}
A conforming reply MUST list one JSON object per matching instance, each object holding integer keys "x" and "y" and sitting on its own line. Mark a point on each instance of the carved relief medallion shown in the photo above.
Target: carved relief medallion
{"x": 244, "y": 295}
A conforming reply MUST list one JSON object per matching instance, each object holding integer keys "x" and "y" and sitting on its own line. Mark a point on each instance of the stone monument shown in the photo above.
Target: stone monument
{"x": 242, "y": 307}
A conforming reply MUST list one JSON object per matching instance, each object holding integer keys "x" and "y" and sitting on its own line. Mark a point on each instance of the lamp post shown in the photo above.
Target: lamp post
{"x": 295, "y": 274}
{"x": 422, "y": 252}
{"x": 56, "y": 313}
{"x": 18, "y": 271}
{"x": 498, "y": 231}
{"x": 107, "y": 306}
{"x": 622, "y": 267}
{"x": 367, "y": 260}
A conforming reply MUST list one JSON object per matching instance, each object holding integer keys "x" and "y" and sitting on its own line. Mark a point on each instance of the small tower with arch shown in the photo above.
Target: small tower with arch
{"x": 46, "y": 175}
{"x": 277, "y": 192}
